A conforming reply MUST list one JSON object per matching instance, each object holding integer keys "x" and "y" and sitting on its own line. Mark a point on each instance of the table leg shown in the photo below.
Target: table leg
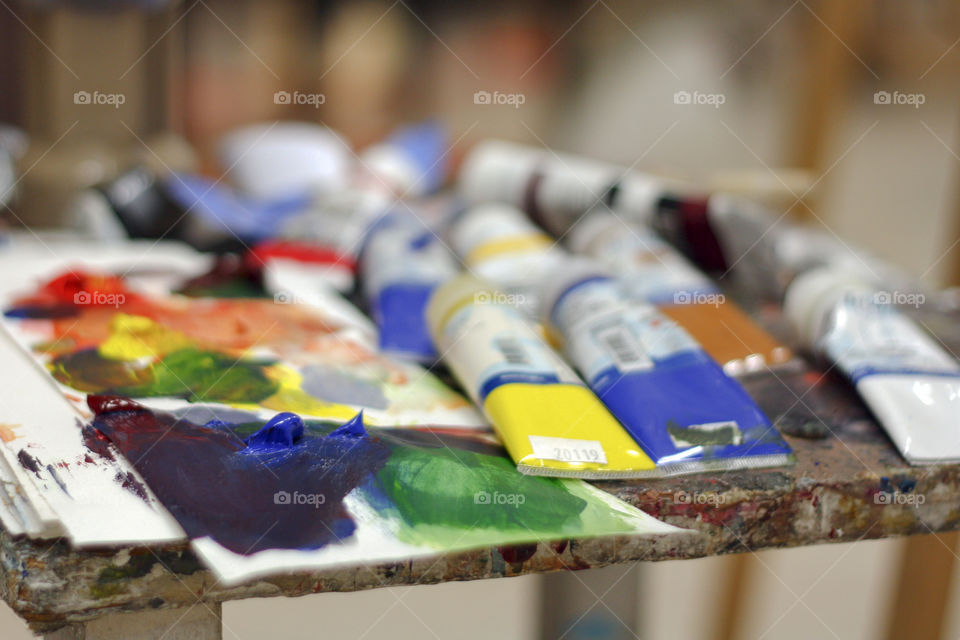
{"x": 202, "y": 622}
{"x": 922, "y": 592}
{"x": 600, "y": 604}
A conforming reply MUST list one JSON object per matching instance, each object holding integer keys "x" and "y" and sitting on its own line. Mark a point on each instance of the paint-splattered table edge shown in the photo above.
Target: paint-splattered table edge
{"x": 828, "y": 496}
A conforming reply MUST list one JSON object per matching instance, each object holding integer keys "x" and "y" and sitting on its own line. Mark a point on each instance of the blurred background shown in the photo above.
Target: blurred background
{"x": 843, "y": 114}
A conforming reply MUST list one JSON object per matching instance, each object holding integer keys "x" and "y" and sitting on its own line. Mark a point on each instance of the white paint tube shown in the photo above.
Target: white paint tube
{"x": 554, "y": 189}
{"x": 908, "y": 380}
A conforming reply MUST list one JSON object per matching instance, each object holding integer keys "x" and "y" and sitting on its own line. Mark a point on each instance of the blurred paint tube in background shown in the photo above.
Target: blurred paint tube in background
{"x": 401, "y": 264}
{"x": 285, "y": 160}
{"x": 652, "y": 271}
{"x": 412, "y": 162}
{"x": 498, "y": 243}
{"x": 763, "y": 250}
{"x": 549, "y": 421}
{"x": 556, "y": 190}
{"x": 668, "y": 393}
{"x": 208, "y": 215}
{"x": 910, "y": 383}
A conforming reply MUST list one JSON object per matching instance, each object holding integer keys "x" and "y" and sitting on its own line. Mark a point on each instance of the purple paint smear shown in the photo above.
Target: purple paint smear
{"x": 277, "y": 490}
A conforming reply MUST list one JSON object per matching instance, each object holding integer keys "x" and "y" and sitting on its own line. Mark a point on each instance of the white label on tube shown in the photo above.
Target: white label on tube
{"x": 602, "y": 330}
{"x": 484, "y": 342}
{"x": 567, "y": 449}
{"x": 866, "y": 338}
{"x": 651, "y": 269}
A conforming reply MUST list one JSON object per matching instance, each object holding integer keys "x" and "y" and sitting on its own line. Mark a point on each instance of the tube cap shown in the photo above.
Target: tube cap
{"x": 638, "y": 197}
{"x": 812, "y": 293}
{"x": 497, "y": 170}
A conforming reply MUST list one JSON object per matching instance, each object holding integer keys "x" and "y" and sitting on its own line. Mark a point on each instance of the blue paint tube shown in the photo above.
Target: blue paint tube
{"x": 412, "y": 160}
{"x": 402, "y": 262}
{"x": 675, "y": 401}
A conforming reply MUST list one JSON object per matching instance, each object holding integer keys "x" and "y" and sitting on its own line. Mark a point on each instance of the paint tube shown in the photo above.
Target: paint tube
{"x": 280, "y": 160}
{"x": 312, "y": 261}
{"x": 203, "y": 213}
{"x": 763, "y": 251}
{"x": 549, "y": 421}
{"x": 410, "y": 162}
{"x": 668, "y": 393}
{"x": 555, "y": 190}
{"x": 218, "y": 215}
{"x": 910, "y": 383}
{"x": 498, "y": 243}
{"x": 652, "y": 271}
{"x": 401, "y": 264}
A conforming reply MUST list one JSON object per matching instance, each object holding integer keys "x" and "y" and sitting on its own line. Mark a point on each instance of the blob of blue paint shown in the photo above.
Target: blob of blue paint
{"x": 282, "y": 431}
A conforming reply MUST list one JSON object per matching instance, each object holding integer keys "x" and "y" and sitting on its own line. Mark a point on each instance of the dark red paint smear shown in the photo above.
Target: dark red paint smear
{"x": 243, "y": 497}
{"x": 129, "y": 482}
{"x": 96, "y": 442}
{"x": 518, "y": 552}
{"x": 28, "y": 462}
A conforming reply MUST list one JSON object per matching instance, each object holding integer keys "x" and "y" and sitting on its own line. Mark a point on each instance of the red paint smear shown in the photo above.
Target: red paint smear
{"x": 301, "y": 252}
{"x": 218, "y": 324}
{"x": 518, "y": 552}
{"x": 69, "y": 289}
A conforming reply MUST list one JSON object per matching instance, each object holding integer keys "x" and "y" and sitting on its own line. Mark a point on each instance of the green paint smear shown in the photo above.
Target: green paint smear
{"x": 90, "y": 372}
{"x": 193, "y": 374}
{"x": 206, "y": 375}
{"x": 461, "y": 499}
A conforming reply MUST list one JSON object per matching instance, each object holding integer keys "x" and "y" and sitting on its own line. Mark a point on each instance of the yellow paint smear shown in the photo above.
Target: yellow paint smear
{"x": 135, "y": 337}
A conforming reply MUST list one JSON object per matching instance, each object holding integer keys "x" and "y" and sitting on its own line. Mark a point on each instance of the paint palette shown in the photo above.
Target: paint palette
{"x": 201, "y": 377}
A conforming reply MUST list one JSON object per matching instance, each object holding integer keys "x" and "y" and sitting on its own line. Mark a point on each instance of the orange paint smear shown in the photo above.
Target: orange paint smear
{"x": 7, "y": 432}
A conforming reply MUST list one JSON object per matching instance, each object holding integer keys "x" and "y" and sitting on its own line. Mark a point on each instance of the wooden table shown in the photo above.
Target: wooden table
{"x": 848, "y": 484}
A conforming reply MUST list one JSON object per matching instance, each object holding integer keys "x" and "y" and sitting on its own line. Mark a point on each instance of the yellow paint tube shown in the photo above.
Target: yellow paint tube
{"x": 547, "y": 418}
{"x": 499, "y": 244}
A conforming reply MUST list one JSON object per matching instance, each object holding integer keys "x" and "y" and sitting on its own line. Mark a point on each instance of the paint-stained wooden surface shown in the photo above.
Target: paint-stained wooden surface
{"x": 848, "y": 484}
